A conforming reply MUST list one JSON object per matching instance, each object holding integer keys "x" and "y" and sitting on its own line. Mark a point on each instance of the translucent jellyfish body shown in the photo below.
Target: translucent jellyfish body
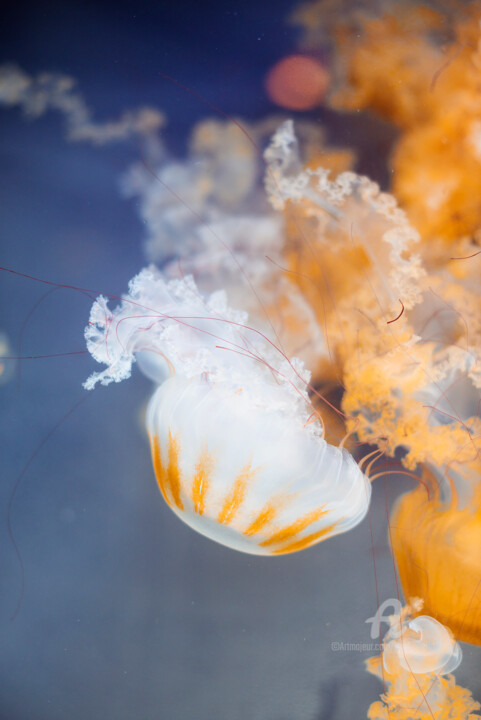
{"x": 252, "y": 478}
{"x": 418, "y": 656}
{"x": 235, "y": 451}
{"x": 420, "y": 645}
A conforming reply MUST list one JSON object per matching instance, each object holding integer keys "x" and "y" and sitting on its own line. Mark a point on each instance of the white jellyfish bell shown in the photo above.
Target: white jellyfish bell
{"x": 421, "y": 645}
{"x": 234, "y": 449}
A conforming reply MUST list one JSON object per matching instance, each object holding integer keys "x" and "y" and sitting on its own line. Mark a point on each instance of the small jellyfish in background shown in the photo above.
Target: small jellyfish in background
{"x": 418, "y": 656}
{"x": 237, "y": 449}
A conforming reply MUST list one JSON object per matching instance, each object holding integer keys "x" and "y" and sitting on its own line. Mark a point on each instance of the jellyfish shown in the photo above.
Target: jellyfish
{"x": 237, "y": 450}
{"x": 324, "y": 271}
{"x": 418, "y": 657}
{"x": 349, "y": 248}
{"x": 209, "y": 216}
{"x": 418, "y": 68}
{"x": 437, "y": 546}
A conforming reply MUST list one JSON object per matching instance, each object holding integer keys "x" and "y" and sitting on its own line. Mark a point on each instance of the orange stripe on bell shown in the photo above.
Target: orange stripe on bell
{"x": 200, "y": 484}
{"x": 237, "y": 496}
{"x": 290, "y": 531}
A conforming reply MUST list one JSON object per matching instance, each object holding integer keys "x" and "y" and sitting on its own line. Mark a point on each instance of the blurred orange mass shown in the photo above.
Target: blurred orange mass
{"x": 399, "y": 68}
{"x": 437, "y": 547}
{"x": 297, "y": 82}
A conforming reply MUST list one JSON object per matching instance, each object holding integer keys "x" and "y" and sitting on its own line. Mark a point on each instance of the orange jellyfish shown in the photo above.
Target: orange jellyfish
{"x": 350, "y": 250}
{"x": 437, "y": 547}
{"x": 420, "y": 71}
